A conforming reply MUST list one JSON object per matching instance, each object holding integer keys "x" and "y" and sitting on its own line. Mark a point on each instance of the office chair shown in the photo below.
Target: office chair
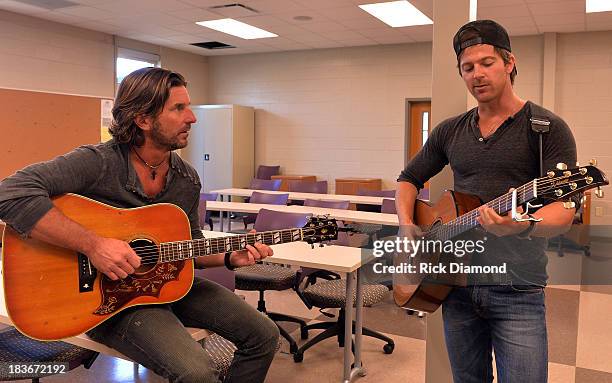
{"x": 261, "y": 277}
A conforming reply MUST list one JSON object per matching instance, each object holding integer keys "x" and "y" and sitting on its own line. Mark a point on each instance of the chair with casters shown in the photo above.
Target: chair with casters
{"x": 262, "y": 277}
{"x": 265, "y": 172}
{"x": 267, "y": 198}
{"x": 331, "y": 293}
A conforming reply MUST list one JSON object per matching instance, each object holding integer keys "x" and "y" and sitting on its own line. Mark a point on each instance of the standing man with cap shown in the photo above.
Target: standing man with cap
{"x": 490, "y": 149}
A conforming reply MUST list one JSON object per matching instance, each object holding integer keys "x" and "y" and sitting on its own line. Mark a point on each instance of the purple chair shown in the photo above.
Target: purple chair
{"x": 267, "y": 198}
{"x": 327, "y": 204}
{"x": 261, "y": 277}
{"x": 373, "y": 193}
{"x": 259, "y": 184}
{"x": 319, "y": 187}
{"x": 205, "y": 217}
{"x": 388, "y": 206}
{"x": 265, "y": 172}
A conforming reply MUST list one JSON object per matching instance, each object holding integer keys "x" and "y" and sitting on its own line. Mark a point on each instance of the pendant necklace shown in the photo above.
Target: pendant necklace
{"x": 152, "y": 167}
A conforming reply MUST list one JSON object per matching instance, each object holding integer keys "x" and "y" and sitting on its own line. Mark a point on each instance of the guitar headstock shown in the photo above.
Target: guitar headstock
{"x": 562, "y": 182}
{"x": 319, "y": 229}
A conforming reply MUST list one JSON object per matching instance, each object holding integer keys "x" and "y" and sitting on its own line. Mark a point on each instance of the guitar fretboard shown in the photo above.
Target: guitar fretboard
{"x": 181, "y": 250}
{"x": 468, "y": 221}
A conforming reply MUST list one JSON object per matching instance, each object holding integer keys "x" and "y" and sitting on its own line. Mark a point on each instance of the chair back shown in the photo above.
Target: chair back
{"x": 203, "y": 215}
{"x": 376, "y": 193}
{"x": 269, "y": 198}
{"x": 388, "y": 206}
{"x": 278, "y": 220}
{"x": 327, "y": 204}
{"x": 319, "y": 187}
{"x": 259, "y": 184}
{"x": 265, "y": 172}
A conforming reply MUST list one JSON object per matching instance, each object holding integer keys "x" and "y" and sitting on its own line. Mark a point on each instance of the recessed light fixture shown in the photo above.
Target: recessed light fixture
{"x": 236, "y": 28}
{"x": 397, "y": 13}
{"x": 598, "y": 6}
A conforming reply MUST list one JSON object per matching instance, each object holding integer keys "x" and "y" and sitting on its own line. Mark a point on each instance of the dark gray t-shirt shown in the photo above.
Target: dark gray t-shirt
{"x": 489, "y": 167}
{"x": 102, "y": 172}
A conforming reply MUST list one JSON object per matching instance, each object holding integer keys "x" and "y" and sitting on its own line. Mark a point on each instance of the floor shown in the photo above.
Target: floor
{"x": 579, "y": 326}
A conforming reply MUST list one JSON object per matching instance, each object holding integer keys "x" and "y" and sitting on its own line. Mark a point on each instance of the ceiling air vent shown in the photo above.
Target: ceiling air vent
{"x": 213, "y": 45}
{"x": 234, "y": 10}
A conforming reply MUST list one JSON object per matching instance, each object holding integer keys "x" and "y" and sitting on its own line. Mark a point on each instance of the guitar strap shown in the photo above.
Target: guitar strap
{"x": 540, "y": 125}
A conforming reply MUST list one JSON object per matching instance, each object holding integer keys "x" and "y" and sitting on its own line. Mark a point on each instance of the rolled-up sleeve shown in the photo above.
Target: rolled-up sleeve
{"x": 25, "y": 195}
{"x": 429, "y": 161}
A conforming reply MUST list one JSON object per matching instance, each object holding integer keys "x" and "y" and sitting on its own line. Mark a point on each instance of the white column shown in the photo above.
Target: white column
{"x": 448, "y": 99}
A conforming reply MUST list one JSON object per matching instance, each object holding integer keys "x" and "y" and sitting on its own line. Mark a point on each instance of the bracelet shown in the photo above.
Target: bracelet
{"x": 227, "y": 262}
{"x": 525, "y": 234}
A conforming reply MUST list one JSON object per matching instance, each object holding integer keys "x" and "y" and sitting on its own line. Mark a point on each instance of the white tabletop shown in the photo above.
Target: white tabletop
{"x": 341, "y": 259}
{"x": 346, "y": 215}
{"x": 366, "y": 200}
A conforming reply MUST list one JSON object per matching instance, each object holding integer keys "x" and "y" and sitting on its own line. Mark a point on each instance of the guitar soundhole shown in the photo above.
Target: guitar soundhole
{"x": 148, "y": 251}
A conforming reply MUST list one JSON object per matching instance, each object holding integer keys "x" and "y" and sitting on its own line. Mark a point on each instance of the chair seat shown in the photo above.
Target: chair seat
{"x": 332, "y": 294}
{"x": 221, "y": 351}
{"x": 264, "y": 277}
{"x": 16, "y": 348}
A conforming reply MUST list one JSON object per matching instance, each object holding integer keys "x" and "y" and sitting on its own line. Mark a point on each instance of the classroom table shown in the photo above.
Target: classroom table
{"x": 340, "y": 214}
{"x": 341, "y": 259}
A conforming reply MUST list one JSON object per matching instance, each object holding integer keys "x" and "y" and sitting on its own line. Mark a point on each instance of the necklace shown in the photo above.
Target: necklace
{"x": 491, "y": 129}
{"x": 152, "y": 167}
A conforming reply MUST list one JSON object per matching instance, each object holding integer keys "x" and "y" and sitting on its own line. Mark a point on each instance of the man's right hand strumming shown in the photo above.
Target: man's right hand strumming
{"x": 112, "y": 257}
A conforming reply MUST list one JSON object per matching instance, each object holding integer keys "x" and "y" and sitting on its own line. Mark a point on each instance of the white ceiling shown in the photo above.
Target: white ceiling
{"x": 335, "y": 23}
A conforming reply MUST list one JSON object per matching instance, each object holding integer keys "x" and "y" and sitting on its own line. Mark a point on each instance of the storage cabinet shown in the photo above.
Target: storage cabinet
{"x": 222, "y": 146}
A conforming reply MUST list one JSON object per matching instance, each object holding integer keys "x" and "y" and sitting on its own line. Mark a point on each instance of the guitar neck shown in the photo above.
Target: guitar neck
{"x": 468, "y": 221}
{"x": 182, "y": 250}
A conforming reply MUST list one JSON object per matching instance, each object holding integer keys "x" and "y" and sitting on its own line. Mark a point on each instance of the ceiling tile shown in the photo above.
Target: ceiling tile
{"x": 562, "y": 19}
{"x": 88, "y": 13}
{"x": 346, "y": 13}
{"x": 519, "y": 10}
{"x": 393, "y": 39}
{"x": 325, "y": 4}
{"x": 557, "y": 7}
{"x": 143, "y": 6}
{"x": 563, "y": 28}
{"x": 274, "y": 6}
{"x": 194, "y": 14}
{"x": 323, "y": 27}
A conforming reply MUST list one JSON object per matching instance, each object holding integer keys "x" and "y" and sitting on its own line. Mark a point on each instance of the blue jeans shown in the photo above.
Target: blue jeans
{"x": 511, "y": 320}
{"x": 155, "y": 337}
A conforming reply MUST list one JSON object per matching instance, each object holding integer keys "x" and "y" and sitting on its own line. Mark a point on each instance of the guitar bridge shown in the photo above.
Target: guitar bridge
{"x": 87, "y": 274}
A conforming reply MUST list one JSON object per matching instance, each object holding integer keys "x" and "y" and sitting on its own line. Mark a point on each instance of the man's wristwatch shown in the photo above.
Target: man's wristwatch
{"x": 227, "y": 261}
{"x": 525, "y": 234}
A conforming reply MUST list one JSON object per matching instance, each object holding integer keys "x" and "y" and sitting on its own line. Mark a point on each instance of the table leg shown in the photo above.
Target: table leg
{"x": 358, "y": 369}
{"x": 221, "y": 215}
{"x": 348, "y": 326}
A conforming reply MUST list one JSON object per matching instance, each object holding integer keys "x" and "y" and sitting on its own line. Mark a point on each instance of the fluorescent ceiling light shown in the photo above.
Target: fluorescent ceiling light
{"x": 598, "y": 6}
{"x": 236, "y": 28}
{"x": 397, "y": 13}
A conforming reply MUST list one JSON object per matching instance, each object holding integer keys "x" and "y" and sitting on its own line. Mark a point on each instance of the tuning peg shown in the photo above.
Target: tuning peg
{"x": 593, "y": 162}
{"x": 558, "y": 192}
{"x": 312, "y": 246}
{"x": 583, "y": 171}
{"x": 550, "y": 174}
{"x": 573, "y": 185}
{"x": 561, "y": 166}
{"x": 599, "y": 193}
{"x": 569, "y": 205}
{"x": 577, "y": 164}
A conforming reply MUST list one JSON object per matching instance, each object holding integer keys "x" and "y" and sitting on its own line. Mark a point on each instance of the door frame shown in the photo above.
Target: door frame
{"x": 407, "y": 127}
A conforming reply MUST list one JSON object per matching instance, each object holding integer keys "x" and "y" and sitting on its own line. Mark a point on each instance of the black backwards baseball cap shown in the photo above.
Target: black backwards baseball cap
{"x": 481, "y": 32}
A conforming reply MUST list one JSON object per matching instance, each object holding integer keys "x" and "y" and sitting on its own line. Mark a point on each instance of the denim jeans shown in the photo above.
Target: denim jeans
{"x": 155, "y": 337}
{"x": 511, "y": 320}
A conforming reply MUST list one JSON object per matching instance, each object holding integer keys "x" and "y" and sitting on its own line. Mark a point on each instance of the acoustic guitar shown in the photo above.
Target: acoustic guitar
{"x": 54, "y": 293}
{"x": 456, "y": 213}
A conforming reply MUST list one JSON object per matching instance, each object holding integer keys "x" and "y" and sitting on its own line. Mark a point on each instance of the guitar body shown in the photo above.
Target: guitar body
{"x": 427, "y": 296}
{"x": 43, "y": 284}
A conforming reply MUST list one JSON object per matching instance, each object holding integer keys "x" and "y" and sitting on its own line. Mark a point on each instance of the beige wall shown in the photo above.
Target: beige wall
{"x": 340, "y": 112}
{"x": 42, "y": 55}
{"x": 584, "y": 99}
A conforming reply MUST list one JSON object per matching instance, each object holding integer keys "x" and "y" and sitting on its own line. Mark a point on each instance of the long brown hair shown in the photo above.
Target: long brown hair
{"x": 141, "y": 93}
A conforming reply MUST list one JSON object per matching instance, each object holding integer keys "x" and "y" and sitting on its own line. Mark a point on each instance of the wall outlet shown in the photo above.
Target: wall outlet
{"x": 599, "y": 211}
